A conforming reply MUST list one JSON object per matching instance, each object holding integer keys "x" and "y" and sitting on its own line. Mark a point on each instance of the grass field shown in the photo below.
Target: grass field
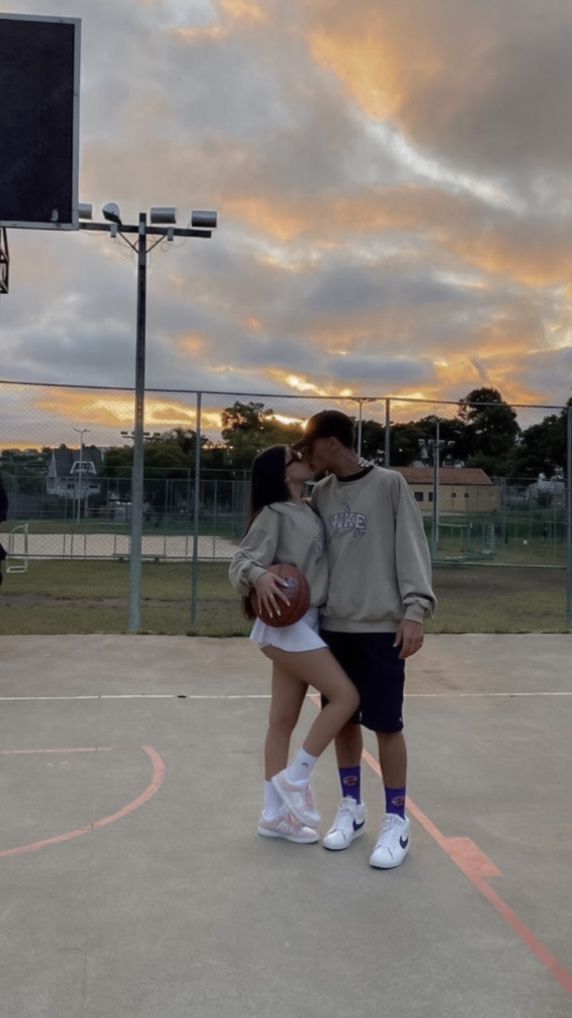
{"x": 64, "y": 597}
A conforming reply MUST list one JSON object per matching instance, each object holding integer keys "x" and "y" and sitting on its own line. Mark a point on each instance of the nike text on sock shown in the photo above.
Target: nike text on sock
{"x": 301, "y": 767}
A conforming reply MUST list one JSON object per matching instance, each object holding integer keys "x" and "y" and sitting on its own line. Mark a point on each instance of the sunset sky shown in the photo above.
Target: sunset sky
{"x": 394, "y": 189}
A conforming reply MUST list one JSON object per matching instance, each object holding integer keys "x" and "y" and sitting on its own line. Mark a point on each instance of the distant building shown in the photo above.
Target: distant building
{"x": 461, "y": 489}
{"x": 547, "y": 492}
{"x": 65, "y": 478}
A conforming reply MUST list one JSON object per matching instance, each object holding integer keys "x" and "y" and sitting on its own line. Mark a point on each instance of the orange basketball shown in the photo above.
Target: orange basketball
{"x": 297, "y": 591}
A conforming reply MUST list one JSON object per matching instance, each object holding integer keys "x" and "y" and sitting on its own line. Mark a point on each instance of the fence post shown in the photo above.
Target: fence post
{"x": 435, "y": 523}
{"x": 215, "y": 517}
{"x": 196, "y": 508}
{"x": 387, "y": 436}
{"x": 359, "y": 427}
{"x": 569, "y": 519}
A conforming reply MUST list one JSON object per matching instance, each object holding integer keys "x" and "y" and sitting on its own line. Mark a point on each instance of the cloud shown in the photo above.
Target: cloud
{"x": 391, "y": 214}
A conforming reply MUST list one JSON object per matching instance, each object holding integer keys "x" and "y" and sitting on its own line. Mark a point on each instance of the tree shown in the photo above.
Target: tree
{"x": 542, "y": 447}
{"x": 405, "y": 439}
{"x": 372, "y": 440}
{"x": 248, "y": 417}
{"x": 490, "y": 430}
{"x": 247, "y": 428}
{"x": 185, "y": 439}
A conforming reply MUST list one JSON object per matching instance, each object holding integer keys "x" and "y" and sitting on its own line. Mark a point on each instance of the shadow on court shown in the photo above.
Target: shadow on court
{"x": 133, "y": 884}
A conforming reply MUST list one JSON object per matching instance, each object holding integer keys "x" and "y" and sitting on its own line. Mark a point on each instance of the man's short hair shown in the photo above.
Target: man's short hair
{"x": 327, "y": 424}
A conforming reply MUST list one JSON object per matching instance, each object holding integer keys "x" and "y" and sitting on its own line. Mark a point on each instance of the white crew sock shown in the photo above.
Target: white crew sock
{"x": 301, "y": 767}
{"x": 272, "y": 801}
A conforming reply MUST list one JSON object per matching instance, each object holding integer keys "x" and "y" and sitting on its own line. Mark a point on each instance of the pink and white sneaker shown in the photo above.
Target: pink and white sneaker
{"x": 286, "y": 826}
{"x": 299, "y": 799}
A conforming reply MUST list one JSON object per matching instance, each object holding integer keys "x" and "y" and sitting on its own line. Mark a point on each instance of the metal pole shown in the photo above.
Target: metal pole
{"x": 435, "y": 527}
{"x": 569, "y": 519}
{"x": 196, "y": 508}
{"x": 387, "y": 454}
{"x": 137, "y": 469}
{"x": 79, "y": 486}
{"x": 359, "y": 426}
{"x": 79, "y": 490}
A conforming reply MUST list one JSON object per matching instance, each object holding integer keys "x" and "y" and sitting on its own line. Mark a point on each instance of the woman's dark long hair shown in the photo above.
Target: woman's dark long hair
{"x": 267, "y": 485}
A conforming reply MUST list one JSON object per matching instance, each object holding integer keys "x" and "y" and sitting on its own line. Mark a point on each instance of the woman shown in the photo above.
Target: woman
{"x": 283, "y": 528}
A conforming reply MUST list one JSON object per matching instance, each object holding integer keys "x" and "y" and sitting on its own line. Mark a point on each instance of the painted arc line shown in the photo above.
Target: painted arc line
{"x": 157, "y": 779}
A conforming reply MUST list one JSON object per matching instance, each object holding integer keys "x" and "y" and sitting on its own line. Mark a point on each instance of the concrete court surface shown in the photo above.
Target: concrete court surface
{"x": 133, "y": 884}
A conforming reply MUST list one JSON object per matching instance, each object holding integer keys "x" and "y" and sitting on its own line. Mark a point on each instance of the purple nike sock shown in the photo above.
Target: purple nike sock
{"x": 395, "y": 801}
{"x": 350, "y": 778}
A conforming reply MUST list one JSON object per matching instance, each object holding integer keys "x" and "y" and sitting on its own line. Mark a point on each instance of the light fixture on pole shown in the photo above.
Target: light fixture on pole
{"x": 162, "y": 227}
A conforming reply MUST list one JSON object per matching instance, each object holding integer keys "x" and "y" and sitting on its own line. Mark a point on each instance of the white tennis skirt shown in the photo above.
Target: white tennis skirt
{"x": 303, "y": 635}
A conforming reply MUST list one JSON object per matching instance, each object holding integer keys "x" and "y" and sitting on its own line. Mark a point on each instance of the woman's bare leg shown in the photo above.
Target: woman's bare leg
{"x": 320, "y": 669}
{"x": 288, "y": 694}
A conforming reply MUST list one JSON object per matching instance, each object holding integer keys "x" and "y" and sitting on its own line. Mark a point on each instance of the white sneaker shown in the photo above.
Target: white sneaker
{"x": 393, "y": 843}
{"x": 348, "y": 825}
{"x": 286, "y": 826}
{"x": 298, "y": 798}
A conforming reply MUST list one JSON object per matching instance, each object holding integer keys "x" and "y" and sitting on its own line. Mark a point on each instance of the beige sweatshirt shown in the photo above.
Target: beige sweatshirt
{"x": 379, "y": 562}
{"x": 282, "y": 532}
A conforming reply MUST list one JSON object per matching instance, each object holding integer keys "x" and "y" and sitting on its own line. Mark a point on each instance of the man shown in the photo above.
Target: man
{"x": 378, "y": 599}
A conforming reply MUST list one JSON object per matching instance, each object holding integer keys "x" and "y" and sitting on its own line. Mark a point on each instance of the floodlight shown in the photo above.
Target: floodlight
{"x": 163, "y": 215}
{"x": 112, "y": 212}
{"x": 203, "y": 219}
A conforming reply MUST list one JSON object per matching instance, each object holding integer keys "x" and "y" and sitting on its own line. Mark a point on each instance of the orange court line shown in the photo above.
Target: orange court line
{"x": 477, "y": 867}
{"x": 157, "y": 779}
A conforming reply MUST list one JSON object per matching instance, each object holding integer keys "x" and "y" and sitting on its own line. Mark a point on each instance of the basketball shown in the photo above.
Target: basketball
{"x": 297, "y": 591}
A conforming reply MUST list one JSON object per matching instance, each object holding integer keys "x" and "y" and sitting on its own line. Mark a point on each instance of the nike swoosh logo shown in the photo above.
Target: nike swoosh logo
{"x": 404, "y": 842}
{"x": 358, "y": 827}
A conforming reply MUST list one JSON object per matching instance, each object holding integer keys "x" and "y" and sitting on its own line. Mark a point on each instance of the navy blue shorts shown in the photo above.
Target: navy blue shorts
{"x": 372, "y": 663}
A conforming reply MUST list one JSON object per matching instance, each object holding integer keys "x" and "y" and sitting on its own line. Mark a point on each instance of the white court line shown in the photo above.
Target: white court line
{"x": 540, "y": 692}
{"x": 261, "y": 696}
{"x": 143, "y": 696}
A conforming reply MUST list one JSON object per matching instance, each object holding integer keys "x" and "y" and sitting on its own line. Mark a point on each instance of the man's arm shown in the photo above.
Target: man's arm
{"x": 413, "y": 567}
{"x": 409, "y": 636}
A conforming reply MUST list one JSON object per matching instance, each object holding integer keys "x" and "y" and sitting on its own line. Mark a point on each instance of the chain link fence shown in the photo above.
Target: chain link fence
{"x": 492, "y": 483}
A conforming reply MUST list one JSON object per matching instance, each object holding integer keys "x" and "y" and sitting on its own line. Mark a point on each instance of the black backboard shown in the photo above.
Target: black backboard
{"x": 39, "y": 121}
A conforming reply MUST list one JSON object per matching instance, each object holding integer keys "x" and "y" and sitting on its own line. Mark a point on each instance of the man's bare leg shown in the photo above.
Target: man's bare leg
{"x": 392, "y": 758}
{"x": 393, "y": 843}
{"x": 349, "y": 745}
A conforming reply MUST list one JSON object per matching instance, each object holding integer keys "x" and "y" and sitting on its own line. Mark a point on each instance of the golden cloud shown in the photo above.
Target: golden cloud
{"x": 191, "y": 343}
{"x": 243, "y": 9}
